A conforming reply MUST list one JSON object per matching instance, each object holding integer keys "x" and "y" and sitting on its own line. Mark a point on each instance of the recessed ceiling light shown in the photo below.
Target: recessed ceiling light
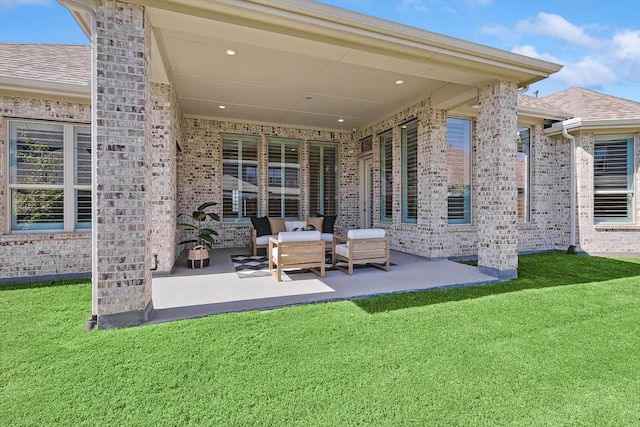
{"x": 231, "y": 52}
{"x": 222, "y": 107}
{"x": 340, "y": 120}
{"x": 399, "y": 82}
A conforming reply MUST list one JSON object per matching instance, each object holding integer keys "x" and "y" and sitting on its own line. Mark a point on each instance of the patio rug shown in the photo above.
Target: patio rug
{"x": 258, "y": 266}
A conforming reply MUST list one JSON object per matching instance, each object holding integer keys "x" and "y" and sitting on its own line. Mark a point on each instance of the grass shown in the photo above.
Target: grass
{"x": 558, "y": 346}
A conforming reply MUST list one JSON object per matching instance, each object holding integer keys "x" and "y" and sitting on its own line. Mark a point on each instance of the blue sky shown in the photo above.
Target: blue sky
{"x": 597, "y": 41}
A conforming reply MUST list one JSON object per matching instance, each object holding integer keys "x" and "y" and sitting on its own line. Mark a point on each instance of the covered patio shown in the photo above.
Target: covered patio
{"x": 188, "y": 293}
{"x": 185, "y": 91}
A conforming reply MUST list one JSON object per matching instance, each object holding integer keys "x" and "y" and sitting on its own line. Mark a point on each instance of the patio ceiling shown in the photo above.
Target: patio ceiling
{"x": 305, "y": 64}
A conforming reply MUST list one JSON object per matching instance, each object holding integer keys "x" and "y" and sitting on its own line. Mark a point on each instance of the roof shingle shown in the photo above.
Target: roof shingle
{"x": 589, "y": 105}
{"x": 70, "y": 64}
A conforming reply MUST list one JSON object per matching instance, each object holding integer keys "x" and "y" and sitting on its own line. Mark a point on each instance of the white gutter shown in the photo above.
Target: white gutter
{"x": 41, "y": 87}
{"x": 73, "y": 5}
{"x": 605, "y": 124}
{"x": 572, "y": 191}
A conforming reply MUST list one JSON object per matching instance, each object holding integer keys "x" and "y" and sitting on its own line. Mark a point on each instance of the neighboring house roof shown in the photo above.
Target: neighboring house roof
{"x": 593, "y": 111}
{"x": 590, "y": 105}
{"x": 539, "y": 108}
{"x": 52, "y": 69}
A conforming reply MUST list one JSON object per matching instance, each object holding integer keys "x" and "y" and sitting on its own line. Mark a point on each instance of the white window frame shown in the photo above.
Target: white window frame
{"x": 324, "y": 177}
{"x": 238, "y": 195}
{"x": 68, "y": 187}
{"x": 282, "y": 165}
{"x": 405, "y": 194}
{"x": 527, "y": 188}
{"x": 467, "y": 198}
{"x": 630, "y": 188}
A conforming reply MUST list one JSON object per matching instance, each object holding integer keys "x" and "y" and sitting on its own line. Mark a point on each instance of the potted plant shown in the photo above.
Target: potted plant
{"x": 199, "y": 254}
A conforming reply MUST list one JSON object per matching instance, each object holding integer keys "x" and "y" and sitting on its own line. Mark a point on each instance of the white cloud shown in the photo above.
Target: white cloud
{"x": 556, "y": 26}
{"x": 587, "y": 72}
{"x": 531, "y": 51}
{"x": 10, "y": 4}
{"x": 626, "y": 46}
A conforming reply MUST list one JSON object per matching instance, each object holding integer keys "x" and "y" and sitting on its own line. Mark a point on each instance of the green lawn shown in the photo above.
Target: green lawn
{"x": 560, "y": 346}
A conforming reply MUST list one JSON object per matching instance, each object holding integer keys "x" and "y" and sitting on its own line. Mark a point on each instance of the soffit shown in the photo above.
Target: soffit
{"x": 293, "y": 72}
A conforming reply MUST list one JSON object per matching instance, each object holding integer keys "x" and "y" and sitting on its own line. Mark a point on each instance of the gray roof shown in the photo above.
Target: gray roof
{"x": 590, "y": 105}
{"x": 70, "y": 64}
{"x": 529, "y": 101}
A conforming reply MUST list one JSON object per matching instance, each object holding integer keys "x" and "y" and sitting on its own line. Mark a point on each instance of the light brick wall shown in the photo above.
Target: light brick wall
{"x": 602, "y": 237}
{"x": 200, "y": 171}
{"x": 122, "y": 278}
{"x": 166, "y": 133}
{"x": 549, "y": 186}
{"x": 496, "y": 180}
{"x": 39, "y": 253}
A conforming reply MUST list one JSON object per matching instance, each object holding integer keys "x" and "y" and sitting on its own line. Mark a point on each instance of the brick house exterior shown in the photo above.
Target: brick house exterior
{"x": 152, "y": 160}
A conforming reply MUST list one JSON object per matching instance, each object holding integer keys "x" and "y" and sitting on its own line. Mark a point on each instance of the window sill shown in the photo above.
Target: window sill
{"x": 26, "y": 236}
{"x": 616, "y": 227}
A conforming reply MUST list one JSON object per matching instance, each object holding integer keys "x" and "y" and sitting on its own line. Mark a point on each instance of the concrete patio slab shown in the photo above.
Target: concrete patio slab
{"x": 189, "y": 293}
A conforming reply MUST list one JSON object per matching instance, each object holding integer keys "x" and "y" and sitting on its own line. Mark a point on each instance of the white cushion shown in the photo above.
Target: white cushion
{"x": 342, "y": 250}
{"x": 262, "y": 240}
{"x": 298, "y": 236}
{"x": 365, "y": 233}
{"x": 327, "y": 237}
{"x": 290, "y": 225}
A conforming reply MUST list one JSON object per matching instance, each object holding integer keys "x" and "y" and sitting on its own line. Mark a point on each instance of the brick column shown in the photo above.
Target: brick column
{"x": 434, "y": 188}
{"x": 496, "y": 181}
{"x": 121, "y": 275}
{"x": 166, "y": 133}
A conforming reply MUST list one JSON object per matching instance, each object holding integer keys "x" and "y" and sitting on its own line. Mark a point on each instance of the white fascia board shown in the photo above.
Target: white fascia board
{"x": 42, "y": 88}
{"x": 541, "y": 113}
{"x": 593, "y": 125}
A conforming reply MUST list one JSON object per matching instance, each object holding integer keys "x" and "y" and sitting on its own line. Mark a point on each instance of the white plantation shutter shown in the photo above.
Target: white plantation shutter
{"x": 386, "y": 176}
{"x": 49, "y": 176}
{"x": 82, "y": 176}
{"x": 38, "y": 153}
{"x": 612, "y": 179}
{"x": 284, "y": 178}
{"x": 522, "y": 169}
{"x": 323, "y": 178}
{"x": 459, "y": 170}
{"x": 409, "y": 134}
{"x": 240, "y": 178}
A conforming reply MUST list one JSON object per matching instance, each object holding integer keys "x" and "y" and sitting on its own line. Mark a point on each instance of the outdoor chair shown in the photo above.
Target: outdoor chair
{"x": 365, "y": 246}
{"x": 296, "y": 249}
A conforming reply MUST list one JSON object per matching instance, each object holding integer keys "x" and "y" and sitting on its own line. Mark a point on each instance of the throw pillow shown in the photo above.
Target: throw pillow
{"x": 262, "y": 226}
{"x": 316, "y": 222}
{"x": 328, "y": 223}
{"x": 277, "y": 225}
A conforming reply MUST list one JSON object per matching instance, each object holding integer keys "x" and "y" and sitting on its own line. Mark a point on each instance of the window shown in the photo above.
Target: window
{"x": 366, "y": 144}
{"x": 386, "y": 176}
{"x": 240, "y": 178}
{"x": 323, "y": 178}
{"x": 524, "y": 146}
{"x": 284, "y": 178}
{"x": 459, "y": 171}
{"x": 409, "y": 141}
{"x": 50, "y": 176}
{"x": 613, "y": 179}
